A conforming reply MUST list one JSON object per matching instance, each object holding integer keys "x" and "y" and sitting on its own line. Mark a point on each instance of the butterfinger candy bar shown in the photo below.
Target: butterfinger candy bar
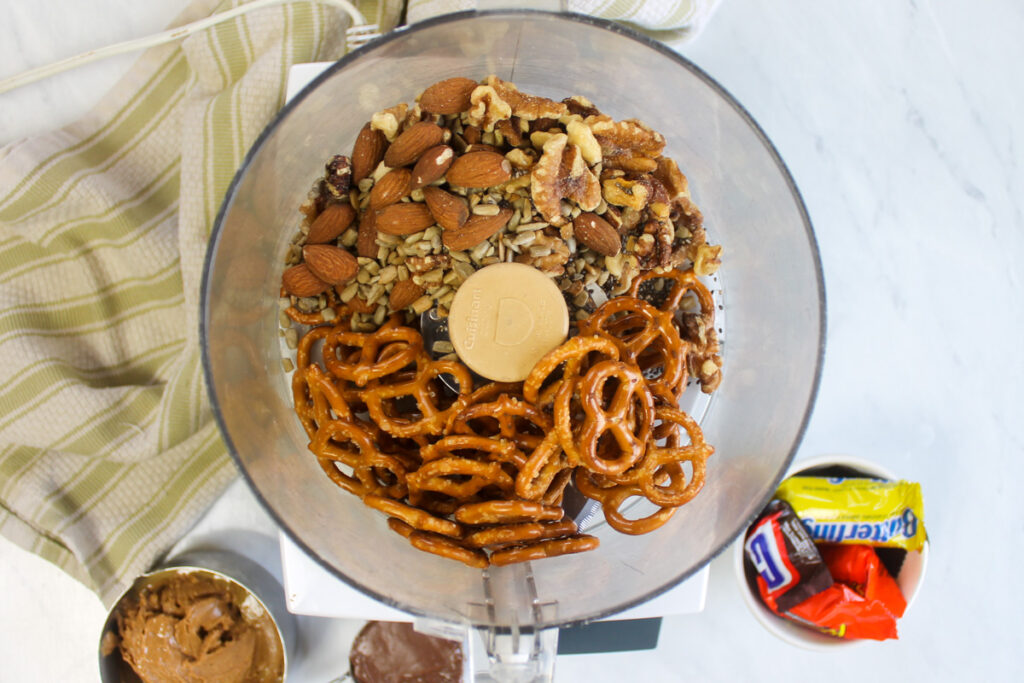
{"x": 788, "y": 564}
{"x": 858, "y": 511}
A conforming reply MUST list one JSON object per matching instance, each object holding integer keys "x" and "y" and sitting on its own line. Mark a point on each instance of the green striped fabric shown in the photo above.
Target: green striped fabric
{"x": 108, "y": 450}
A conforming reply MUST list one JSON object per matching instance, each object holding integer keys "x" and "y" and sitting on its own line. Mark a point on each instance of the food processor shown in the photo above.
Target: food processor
{"x": 770, "y": 289}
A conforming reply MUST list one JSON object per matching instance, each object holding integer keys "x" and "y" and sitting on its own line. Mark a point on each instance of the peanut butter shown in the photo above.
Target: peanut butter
{"x": 198, "y": 628}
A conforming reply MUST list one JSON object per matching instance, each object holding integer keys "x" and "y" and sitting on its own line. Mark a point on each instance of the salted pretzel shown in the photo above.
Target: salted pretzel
{"x": 491, "y": 458}
{"x": 380, "y": 353}
{"x": 380, "y": 395}
{"x": 414, "y": 517}
{"x": 670, "y": 460}
{"x": 539, "y": 472}
{"x": 506, "y": 512}
{"x": 611, "y": 499}
{"x": 647, "y": 337}
{"x": 628, "y": 416}
{"x": 539, "y": 550}
{"x": 505, "y": 417}
{"x": 446, "y": 547}
{"x": 683, "y": 282}
{"x": 698, "y": 328}
{"x": 573, "y": 353}
{"x": 512, "y": 534}
{"x": 556, "y": 489}
{"x": 457, "y": 477}
{"x": 474, "y": 448}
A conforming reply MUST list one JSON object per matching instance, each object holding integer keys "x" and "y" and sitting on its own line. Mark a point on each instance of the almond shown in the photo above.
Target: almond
{"x": 300, "y": 281}
{"x": 475, "y": 230}
{"x": 404, "y": 218}
{"x": 366, "y": 242}
{"x": 412, "y": 143}
{"x": 367, "y": 152}
{"x": 389, "y": 189}
{"x": 479, "y": 170}
{"x": 333, "y": 265}
{"x": 332, "y": 221}
{"x": 450, "y": 96}
{"x": 595, "y": 232}
{"x": 432, "y": 166}
{"x": 403, "y": 294}
{"x": 449, "y": 211}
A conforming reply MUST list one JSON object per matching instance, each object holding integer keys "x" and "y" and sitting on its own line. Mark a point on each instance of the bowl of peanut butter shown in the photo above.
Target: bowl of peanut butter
{"x": 208, "y": 616}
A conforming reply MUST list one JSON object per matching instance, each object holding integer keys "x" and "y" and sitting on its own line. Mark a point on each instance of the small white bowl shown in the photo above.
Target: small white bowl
{"x": 909, "y": 579}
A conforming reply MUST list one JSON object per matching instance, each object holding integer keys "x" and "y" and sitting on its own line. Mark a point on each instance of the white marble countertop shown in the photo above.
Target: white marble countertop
{"x": 901, "y": 122}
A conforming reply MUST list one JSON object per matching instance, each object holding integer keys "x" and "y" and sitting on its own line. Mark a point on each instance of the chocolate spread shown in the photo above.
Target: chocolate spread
{"x": 393, "y": 652}
{"x": 197, "y": 628}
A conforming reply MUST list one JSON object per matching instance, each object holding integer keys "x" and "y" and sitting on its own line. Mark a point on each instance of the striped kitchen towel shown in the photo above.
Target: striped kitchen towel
{"x": 108, "y": 450}
{"x": 673, "y": 22}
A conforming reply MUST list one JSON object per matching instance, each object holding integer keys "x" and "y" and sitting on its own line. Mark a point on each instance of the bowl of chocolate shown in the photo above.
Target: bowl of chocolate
{"x": 802, "y": 587}
{"x": 624, "y": 110}
{"x": 208, "y": 616}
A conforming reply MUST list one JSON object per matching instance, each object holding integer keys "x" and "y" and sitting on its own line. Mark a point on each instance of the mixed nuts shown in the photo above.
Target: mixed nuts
{"x": 476, "y": 173}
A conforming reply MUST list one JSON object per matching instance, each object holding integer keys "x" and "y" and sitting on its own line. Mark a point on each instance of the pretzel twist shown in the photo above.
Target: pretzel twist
{"x": 512, "y": 534}
{"x": 380, "y": 396}
{"x": 541, "y": 549}
{"x": 628, "y": 418}
{"x": 380, "y": 353}
{"x": 506, "y": 512}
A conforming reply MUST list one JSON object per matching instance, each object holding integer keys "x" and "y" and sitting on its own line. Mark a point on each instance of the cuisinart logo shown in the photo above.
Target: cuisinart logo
{"x": 473, "y": 319}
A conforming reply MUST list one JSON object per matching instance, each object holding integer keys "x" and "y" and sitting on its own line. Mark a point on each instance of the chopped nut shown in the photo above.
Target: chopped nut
{"x": 422, "y": 304}
{"x": 629, "y": 193}
{"x": 582, "y": 136}
{"x": 422, "y": 264}
{"x": 387, "y": 121}
{"x": 487, "y": 109}
{"x": 486, "y": 210}
{"x": 707, "y": 260}
{"x": 526, "y": 107}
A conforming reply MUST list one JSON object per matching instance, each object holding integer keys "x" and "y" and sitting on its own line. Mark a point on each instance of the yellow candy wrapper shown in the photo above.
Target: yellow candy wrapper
{"x": 864, "y": 511}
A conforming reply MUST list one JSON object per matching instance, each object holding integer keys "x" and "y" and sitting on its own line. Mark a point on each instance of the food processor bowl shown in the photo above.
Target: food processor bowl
{"x": 771, "y": 290}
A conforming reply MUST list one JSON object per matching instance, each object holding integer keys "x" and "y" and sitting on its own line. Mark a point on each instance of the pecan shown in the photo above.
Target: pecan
{"x": 526, "y": 107}
{"x": 658, "y": 201}
{"x": 338, "y": 176}
{"x": 488, "y": 108}
{"x": 555, "y": 254}
{"x": 580, "y": 135}
{"x": 629, "y": 138}
{"x": 423, "y": 264}
{"x": 630, "y": 164}
{"x": 707, "y": 259}
{"x": 629, "y": 193}
{"x": 657, "y": 240}
{"x": 387, "y": 121}
{"x": 577, "y": 104}
{"x": 562, "y": 173}
{"x": 509, "y": 128}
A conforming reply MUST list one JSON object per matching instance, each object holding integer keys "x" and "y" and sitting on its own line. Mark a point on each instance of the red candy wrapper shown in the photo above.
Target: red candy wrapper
{"x": 864, "y": 601}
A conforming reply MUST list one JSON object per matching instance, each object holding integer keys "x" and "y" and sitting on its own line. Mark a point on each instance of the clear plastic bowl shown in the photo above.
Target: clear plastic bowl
{"x": 772, "y": 291}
